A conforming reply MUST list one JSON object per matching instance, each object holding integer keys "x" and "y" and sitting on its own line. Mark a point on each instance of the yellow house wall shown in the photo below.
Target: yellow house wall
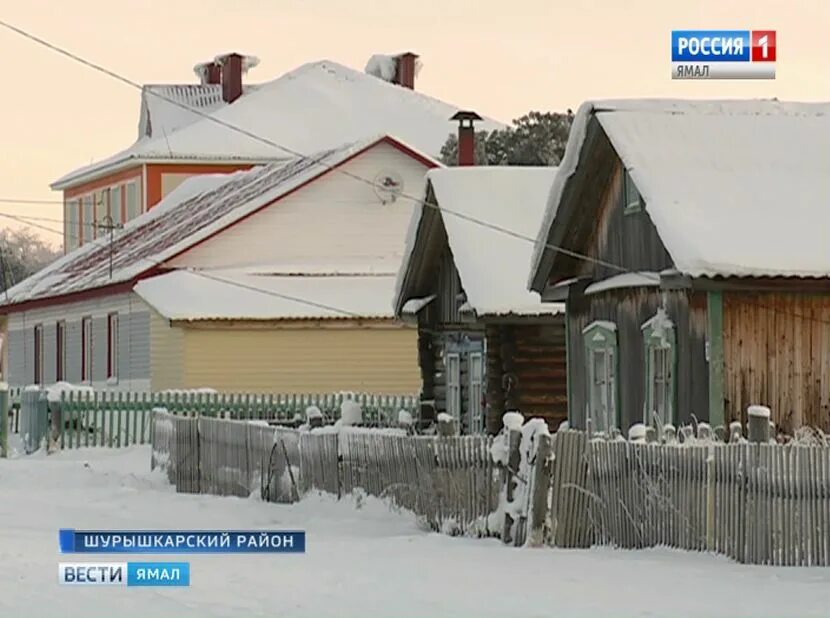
{"x": 166, "y": 354}
{"x": 301, "y": 357}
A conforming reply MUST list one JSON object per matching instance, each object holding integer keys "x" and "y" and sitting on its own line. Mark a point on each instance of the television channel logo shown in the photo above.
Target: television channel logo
{"x": 723, "y": 54}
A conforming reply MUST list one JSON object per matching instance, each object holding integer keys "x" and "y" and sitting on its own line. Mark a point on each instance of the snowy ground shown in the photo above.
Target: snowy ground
{"x": 360, "y": 562}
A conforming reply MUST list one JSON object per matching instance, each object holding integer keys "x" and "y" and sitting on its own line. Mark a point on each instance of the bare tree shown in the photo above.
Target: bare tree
{"x": 23, "y": 254}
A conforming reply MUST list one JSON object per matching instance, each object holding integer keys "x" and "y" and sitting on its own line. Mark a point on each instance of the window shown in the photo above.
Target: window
{"x": 60, "y": 351}
{"x": 86, "y": 349}
{"x": 71, "y": 225}
{"x": 453, "y": 367}
{"x": 112, "y": 346}
{"x": 476, "y": 389}
{"x": 601, "y": 359}
{"x": 660, "y": 357}
{"x": 115, "y": 205}
{"x": 101, "y": 209}
{"x": 38, "y": 354}
{"x": 88, "y": 221}
{"x": 133, "y": 208}
{"x": 632, "y": 199}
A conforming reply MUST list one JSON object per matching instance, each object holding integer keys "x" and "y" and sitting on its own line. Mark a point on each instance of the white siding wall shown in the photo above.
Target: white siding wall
{"x": 133, "y": 341}
{"x": 329, "y": 221}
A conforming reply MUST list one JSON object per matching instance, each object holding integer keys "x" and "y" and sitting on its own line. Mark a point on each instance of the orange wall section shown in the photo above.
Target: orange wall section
{"x": 155, "y": 172}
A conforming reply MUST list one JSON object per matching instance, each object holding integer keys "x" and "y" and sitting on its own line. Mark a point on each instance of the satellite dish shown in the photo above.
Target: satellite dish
{"x": 388, "y": 186}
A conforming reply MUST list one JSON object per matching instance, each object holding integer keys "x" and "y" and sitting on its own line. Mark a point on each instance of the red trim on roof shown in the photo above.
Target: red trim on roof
{"x": 73, "y": 297}
{"x": 386, "y": 140}
{"x": 126, "y": 286}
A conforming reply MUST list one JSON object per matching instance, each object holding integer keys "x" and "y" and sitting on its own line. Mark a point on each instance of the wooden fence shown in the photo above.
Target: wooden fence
{"x": 756, "y": 503}
{"x": 116, "y": 419}
{"x": 450, "y": 482}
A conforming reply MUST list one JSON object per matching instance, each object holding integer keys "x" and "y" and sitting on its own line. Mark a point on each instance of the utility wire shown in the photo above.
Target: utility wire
{"x": 14, "y": 200}
{"x": 264, "y": 140}
{"x": 118, "y": 77}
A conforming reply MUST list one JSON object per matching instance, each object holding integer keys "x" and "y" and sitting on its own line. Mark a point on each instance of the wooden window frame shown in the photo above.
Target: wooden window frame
{"x": 453, "y": 384}
{"x": 476, "y": 391}
{"x": 112, "y": 347}
{"x": 60, "y": 351}
{"x": 663, "y": 340}
{"x": 601, "y": 338}
{"x": 87, "y": 344}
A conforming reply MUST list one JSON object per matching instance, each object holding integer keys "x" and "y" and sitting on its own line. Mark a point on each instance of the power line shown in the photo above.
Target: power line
{"x": 264, "y": 140}
{"x": 29, "y": 223}
{"x": 125, "y": 80}
{"x": 15, "y": 200}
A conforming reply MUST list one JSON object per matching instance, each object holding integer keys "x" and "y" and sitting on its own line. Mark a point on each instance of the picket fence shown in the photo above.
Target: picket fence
{"x": 765, "y": 504}
{"x": 451, "y": 483}
{"x": 115, "y": 419}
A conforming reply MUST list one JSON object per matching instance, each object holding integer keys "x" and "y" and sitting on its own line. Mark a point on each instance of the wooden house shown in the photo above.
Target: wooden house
{"x": 693, "y": 258}
{"x": 275, "y": 279}
{"x": 486, "y": 344}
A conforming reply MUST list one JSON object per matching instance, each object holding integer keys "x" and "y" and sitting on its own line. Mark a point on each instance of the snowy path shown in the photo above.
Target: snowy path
{"x": 359, "y": 562}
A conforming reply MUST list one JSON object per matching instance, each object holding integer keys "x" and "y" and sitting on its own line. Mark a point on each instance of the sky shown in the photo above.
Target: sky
{"x": 501, "y": 59}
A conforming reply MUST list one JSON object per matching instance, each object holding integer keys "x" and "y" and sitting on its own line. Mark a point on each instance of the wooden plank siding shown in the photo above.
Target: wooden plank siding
{"x": 777, "y": 353}
{"x": 629, "y": 309}
{"x": 626, "y": 239}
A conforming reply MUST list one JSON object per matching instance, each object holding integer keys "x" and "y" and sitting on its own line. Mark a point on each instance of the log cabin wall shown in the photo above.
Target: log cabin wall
{"x": 629, "y": 309}
{"x": 526, "y": 370}
{"x": 440, "y": 330}
{"x": 776, "y": 351}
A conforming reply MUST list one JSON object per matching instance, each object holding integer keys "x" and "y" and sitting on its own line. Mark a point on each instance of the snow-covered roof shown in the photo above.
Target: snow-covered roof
{"x": 492, "y": 265}
{"x": 199, "y": 208}
{"x": 228, "y": 295}
{"x": 160, "y": 116}
{"x": 315, "y": 107}
{"x": 734, "y": 188}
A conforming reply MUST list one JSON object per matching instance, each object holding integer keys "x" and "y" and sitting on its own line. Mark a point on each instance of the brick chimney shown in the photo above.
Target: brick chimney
{"x": 466, "y": 137}
{"x": 405, "y": 71}
{"x": 209, "y": 72}
{"x": 232, "y": 69}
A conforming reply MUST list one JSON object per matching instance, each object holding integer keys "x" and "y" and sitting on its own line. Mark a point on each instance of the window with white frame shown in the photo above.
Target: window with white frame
{"x": 133, "y": 207}
{"x": 71, "y": 224}
{"x": 476, "y": 391}
{"x": 452, "y": 362}
{"x": 86, "y": 349}
{"x": 660, "y": 359}
{"x": 115, "y": 205}
{"x": 60, "y": 351}
{"x": 101, "y": 209}
{"x": 88, "y": 219}
{"x": 112, "y": 346}
{"x": 601, "y": 359}
{"x": 38, "y": 357}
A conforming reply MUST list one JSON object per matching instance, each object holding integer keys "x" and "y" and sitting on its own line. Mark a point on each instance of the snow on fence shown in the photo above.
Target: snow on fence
{"x": 111, "y": 419}
{"x": 450, "y": 482}
{"x": 757, "y": 503}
